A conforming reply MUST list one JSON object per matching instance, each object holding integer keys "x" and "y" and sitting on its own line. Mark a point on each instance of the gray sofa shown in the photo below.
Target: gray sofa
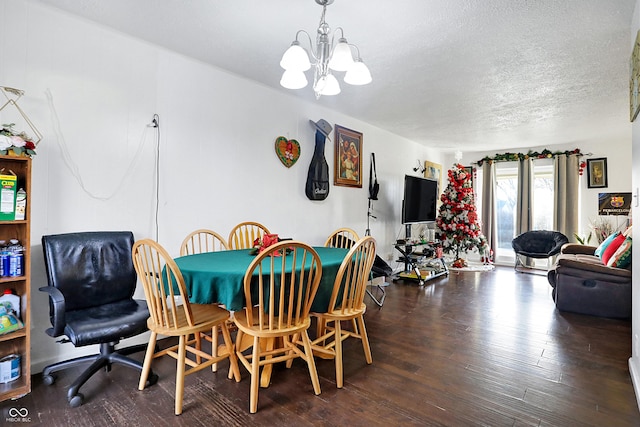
{"x": 583, "y": 284}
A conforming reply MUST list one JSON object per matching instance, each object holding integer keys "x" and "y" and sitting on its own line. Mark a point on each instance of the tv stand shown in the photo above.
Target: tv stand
{"x": 411, "y": 256}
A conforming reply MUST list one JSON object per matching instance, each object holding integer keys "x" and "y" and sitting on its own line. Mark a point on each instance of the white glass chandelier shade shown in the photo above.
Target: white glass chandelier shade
{"x": 327, "y": 85}
{"x": 341, "y": 59}
{"x": 358, "y": 74}
{"x": 324, "y": 56}
{"x": 292, "y": 79}
{"x": 295, "y": 58}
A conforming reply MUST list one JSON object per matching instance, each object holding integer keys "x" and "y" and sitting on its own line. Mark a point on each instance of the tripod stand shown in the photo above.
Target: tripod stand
{"x": 369, "y": 216}
{"x": 380, "y": 301}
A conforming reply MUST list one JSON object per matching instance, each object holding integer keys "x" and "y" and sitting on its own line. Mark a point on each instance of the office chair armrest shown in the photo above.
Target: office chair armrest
{"x": 57, "y": 312}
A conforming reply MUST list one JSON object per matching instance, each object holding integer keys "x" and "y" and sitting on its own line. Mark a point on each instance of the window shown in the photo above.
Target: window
{"x": 543, "y": 197}
{"x": 506, "y": 201}
{"x": 543, "y": 194}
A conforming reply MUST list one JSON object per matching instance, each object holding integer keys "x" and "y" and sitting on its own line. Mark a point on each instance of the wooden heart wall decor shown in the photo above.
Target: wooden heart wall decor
{"x": 288, "y": 150}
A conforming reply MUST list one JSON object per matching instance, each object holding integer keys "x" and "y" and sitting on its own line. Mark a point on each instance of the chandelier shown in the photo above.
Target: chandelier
{"x": 327, "y": 57}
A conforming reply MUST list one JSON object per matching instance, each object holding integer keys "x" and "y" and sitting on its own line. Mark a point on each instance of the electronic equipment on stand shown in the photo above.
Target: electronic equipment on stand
{"x": 419, "y": 206}
{"x": 411, "y": 257}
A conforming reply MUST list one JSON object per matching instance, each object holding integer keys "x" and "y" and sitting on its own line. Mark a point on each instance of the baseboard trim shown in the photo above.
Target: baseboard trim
{"x": 634, "y": 370}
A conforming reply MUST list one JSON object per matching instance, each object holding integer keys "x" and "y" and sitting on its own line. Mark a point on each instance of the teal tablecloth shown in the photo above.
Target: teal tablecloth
{"x": 217, "y": 277}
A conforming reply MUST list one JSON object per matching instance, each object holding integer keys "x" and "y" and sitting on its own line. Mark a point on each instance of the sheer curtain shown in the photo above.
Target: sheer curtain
{"x": 489, "y": 220}
{"x": 566, "y": 188}
{"x": 524, "y": 202}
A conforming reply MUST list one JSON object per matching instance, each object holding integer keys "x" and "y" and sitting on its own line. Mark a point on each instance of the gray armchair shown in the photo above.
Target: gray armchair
{"x": 537, "y": 244}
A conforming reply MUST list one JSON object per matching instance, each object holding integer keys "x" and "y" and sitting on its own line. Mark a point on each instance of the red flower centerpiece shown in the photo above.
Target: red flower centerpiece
{"x": 262, "y": 243}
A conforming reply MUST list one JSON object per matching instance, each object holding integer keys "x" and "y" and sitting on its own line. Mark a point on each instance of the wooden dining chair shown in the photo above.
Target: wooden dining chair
{"x": 162, "y": 282}
{"x": 244, "y": 234}
{"x": 342, "y": 238}
{"x": 346, "y": 304}
{"x": 276, "y": 315}
{"x": 203, "y": 240}
{"x": 197, "y": 242}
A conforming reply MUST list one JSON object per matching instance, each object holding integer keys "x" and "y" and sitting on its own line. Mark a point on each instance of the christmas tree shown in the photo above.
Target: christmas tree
{"x": 457, "y": 223}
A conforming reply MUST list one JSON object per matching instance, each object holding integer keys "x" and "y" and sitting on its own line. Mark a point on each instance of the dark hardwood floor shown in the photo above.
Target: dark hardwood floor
{"x": 469, "y": 349}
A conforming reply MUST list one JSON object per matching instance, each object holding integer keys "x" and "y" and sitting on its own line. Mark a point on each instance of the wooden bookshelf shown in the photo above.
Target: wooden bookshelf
{"x": 19, "y": 342}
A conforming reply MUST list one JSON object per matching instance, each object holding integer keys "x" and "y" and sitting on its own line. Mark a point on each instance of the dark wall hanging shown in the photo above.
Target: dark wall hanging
{"x": 317, "y": 187}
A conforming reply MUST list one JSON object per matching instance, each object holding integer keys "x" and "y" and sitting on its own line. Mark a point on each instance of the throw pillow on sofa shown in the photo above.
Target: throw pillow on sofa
{"x": 603, "y": 246}
{"x": 622, "y": 257}
{"x": 612, "y": 248}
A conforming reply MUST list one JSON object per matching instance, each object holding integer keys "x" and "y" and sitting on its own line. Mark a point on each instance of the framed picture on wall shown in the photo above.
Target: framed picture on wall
{"x": 347, "y": 169}
{"x": 634, "y": 79}
{"x": 597, "y": 173}
{"x": 433, "y": 171}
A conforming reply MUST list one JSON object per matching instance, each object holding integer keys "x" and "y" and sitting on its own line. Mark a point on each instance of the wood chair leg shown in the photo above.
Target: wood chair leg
{"x": 268, "y": 367}
{"x": 365, "y": 340}
{"x": 182, "y": 354}
{"x": 294, "y": 340}
{"x": 311, "y": 363}
{"x": 233, "y": 360}
{"x": 238, "y": 348}
{"x": 148, "y": 358}
{"x": 243, "y": 341}
{"x": 255, "y": 376}
{"x": 214, "y": 346}
{"x": 321, "y": 328}
{"x": 198, "y": 339}
{"x": 338, "y": 350}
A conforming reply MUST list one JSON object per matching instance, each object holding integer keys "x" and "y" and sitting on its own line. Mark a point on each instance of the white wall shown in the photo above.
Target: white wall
{"x": 92, "y": 91}
{"x": 634, "y": 360}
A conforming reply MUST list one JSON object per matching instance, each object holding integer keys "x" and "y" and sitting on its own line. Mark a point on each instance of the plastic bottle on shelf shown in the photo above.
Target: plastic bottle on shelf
{"x": 12, "y": 298}
{"x": 16, "y": 258}
{"x": 21, "y": 204}
{"x": 4, "y": 259}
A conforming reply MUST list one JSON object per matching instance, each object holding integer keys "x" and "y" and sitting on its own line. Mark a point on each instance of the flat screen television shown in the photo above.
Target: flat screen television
{"x": 420, "y": 200}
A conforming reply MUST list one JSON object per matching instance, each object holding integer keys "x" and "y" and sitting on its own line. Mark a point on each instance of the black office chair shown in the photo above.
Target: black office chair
{"x": 537, "y": 244}
{"x": 91, "y": 285}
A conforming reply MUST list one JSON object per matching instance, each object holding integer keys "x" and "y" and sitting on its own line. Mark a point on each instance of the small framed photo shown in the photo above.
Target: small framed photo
{"x": 433, "y": 171}
{"x": 347, "y": 169}
{"x": 597, "y": 173}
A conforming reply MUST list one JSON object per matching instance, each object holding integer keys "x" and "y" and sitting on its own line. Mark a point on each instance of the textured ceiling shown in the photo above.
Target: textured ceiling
{"x": 466, "y": 75}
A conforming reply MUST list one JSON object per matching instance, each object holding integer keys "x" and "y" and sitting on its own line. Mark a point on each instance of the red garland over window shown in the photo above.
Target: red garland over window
{"x": 544, "y": 154}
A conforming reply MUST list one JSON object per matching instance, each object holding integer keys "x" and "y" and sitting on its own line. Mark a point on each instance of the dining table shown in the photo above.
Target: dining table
{"x": 218, "y": 278}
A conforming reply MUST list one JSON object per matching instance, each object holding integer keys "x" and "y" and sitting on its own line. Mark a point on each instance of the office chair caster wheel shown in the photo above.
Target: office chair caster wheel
{"x": 76, "y": 400}
{"x": 153, "y": 378}
{"x": 48, "y": 379}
